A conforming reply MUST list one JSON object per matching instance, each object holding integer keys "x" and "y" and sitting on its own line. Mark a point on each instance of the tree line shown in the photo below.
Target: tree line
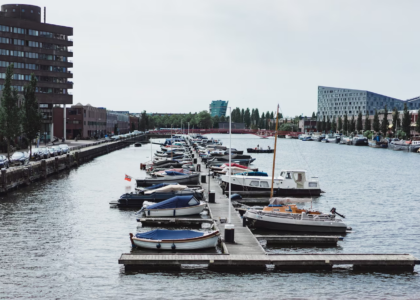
{"x": 19, "y": 119}
{"x": 203, "y": 120}
{"x": 400, "y": 127}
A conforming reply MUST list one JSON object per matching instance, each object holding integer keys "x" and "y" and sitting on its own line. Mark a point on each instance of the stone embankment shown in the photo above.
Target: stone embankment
{"x": 13, "y": 178}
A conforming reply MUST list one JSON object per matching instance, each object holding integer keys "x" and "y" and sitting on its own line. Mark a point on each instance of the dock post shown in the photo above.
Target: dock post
{"x": 203, "y": 178}
{"x": 244, "y": 222}
{"x": 212, "y": 197}
{"x": 4, "y": 180}
{"x": 230, "y": 233}
{"x": 195, "y": 160}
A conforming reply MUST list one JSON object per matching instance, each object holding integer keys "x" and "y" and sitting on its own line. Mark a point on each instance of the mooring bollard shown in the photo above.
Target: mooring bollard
{"x": 195, "y": 160}
{"x": 244, "y": 221}
{"x": 212, "y": 197}
{"x": 203, "y": 178}
{"x": 229, "y": 233}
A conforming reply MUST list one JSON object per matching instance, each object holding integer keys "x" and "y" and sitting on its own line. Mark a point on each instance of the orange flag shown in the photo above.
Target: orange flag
{"x": 128, "y": 178}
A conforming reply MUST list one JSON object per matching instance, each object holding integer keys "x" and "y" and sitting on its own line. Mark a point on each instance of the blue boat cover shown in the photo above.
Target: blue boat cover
{"x": 263, "y": 174}
{"x": 175, "y": 202}
{"x": 173, "y": 173}
{"x": 163, "y": 234}
{"x": 159, "y": 185}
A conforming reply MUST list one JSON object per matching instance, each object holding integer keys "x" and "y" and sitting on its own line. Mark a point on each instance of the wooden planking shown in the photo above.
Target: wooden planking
{"x": 245, "y": 242}
{"x": 299, "y": 239}
{"x": 282, "y": 259}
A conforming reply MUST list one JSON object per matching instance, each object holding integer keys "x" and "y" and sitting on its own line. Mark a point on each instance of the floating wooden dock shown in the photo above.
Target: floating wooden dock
{"x": 246, "y": 253}
{"x": 299, "y": 239}
{"x": 289, "y": 262}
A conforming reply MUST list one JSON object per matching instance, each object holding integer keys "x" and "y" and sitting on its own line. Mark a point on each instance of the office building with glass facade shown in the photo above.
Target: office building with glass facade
{"x": 336, "y": 102}
{"x": 218, "y": 108}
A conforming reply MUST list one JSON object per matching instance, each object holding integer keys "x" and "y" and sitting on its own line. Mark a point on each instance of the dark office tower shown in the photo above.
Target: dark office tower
{"x": 39, "y": 48}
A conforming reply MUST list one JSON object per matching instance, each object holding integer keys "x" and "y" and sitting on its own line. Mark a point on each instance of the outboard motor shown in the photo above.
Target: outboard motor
{"x": 334, "y": 212}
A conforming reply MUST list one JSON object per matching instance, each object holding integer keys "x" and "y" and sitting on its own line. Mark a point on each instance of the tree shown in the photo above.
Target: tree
{"x": 418, "y": 121}
{"x": 328, "y": 124}
{"x": 385, "y": 122}
{"x": 340, "y": 124}
{"x": 204, "y": 119}
{"x": 376, "y": 126}
{"x": 352, "y": 124}
{"x": 396, "y": 121}
{"x": 367, "y": 122}
{"x": 10, "y": 113}
{"x": 406, "y": 121}
{"x": 32, "y": 118}
{"x": 323, "y": 127}
{"x": 359, "y": 125}
{"x": 215, "y": 121}
{"x": 257, "y": 117}
{"x": 247, "y": 118}
{"x": 333, "y": 125}
{"x": 143, "y": 122}
{"x": 318, "y": 125}
{"x": 313, "y": 116}
{"x": 346, "y": 124}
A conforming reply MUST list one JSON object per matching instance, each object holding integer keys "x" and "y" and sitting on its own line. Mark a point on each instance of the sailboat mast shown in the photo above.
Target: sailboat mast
{"x": 274, "y": 156}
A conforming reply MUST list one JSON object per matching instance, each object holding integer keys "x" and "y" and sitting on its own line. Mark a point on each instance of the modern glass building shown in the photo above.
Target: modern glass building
{"x": 335, "y": 102}
{"x": 218, "y": 108}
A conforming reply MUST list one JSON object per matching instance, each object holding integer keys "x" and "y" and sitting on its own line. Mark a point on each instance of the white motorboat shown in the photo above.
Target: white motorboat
{"x": 175, "y": 239}
{"x": 289, "y": 183}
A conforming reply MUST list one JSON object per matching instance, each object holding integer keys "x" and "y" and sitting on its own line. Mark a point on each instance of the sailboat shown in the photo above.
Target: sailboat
{"x": 290, "y": 182}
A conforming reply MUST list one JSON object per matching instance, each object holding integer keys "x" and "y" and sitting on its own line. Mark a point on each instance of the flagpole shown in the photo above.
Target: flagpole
{"x": 230, "y": 159}
{"x": 274, "y": 156}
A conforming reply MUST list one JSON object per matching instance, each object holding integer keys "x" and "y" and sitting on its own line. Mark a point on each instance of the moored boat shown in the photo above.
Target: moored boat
{"x": 283, "y": 215}
{"x": 255, "y": 150}
{"x": 161, "y": 239}
{"x": 175, "y": 206}
{"x": 170, "y": 176}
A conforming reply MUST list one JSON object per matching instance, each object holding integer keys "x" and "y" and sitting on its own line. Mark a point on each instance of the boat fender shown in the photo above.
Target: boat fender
{"x": 174, "y": 212}
{"x": 148, "y": 212}
{"x": 131, "y": 239}
{"x": 158, "y": 245}
{"x": 173, "y": 247}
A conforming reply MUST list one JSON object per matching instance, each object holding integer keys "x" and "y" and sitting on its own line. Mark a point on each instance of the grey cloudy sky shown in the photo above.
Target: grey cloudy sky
{"x": 177, "y": 56}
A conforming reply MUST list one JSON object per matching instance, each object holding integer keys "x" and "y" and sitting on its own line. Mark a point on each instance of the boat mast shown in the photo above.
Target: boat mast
{"x": 230, "y": 161}
{"x": 274, "y": 156}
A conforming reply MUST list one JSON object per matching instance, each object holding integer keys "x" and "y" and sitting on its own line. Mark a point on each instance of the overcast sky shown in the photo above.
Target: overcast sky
{"x": 178, "y": 55}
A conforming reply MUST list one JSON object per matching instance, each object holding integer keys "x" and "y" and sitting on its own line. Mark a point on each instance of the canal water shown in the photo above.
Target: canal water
{"x": 59, "y": 239}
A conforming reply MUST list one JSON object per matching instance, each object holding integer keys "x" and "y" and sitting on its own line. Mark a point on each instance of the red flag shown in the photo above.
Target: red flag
{"x": 128, "y": 178}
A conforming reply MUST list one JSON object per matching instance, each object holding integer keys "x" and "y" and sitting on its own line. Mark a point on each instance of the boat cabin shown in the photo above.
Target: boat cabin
{"x": 297, "y": 179}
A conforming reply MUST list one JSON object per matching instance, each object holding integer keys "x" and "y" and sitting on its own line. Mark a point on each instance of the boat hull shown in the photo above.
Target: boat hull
{"x": 248, "y": 190}
{"x": 136, "y": 201}
{"x": 250, "y": 150}
{"x": 190, "y": 179}
{"x": 281, "y": 224}
{"x": 209, "y": 241}
{"x": 175, "y": 212}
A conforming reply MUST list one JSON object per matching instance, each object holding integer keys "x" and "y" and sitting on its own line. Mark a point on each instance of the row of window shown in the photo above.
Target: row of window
{"x": 39, "y": 78}
{"x": 33, "y": 32}
{"x": 33, "y": 55}
{"x": 44, "y": 90}
{"x": 19, "y": 42}
{"x": 18, "y": 65}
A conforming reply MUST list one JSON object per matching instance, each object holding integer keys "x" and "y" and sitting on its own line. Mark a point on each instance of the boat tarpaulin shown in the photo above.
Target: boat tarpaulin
{"x": 162, "y": 234}
{"x": 159, "y": 185}
{"x": 176, "y": 202}
{"x": 173, "y": 173}
{"x": 167, "y": 189}
{"x": 261, "y": 174}
{"x": 277, "y": 201}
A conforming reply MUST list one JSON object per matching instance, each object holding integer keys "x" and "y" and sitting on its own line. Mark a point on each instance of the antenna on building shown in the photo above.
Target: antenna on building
{"x": 45, "y": 14}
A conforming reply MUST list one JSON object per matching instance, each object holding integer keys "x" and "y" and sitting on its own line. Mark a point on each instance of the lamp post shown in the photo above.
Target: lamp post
{"x": 229, "y": 227}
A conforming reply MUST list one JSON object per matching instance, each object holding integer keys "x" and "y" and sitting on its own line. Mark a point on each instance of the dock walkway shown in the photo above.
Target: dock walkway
{"x": 245, "y": 241}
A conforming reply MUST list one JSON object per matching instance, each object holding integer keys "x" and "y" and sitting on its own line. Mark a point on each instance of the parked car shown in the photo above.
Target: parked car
{"x": 4, "y": 162}
{"x": 52, "y": 151}
{"x": 47, "y": 153}
{"x": 64, "y": 148}
{"x": 19, "y": 158}
{"x": 57, "y": 149}
{"x": 37, "y": 153}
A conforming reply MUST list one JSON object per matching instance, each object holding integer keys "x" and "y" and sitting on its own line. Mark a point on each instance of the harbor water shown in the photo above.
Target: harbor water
{"x": 61, "y": 240}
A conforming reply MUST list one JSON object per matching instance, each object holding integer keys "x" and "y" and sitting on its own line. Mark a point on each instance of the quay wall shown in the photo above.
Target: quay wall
{"x": 14, "y": 178}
